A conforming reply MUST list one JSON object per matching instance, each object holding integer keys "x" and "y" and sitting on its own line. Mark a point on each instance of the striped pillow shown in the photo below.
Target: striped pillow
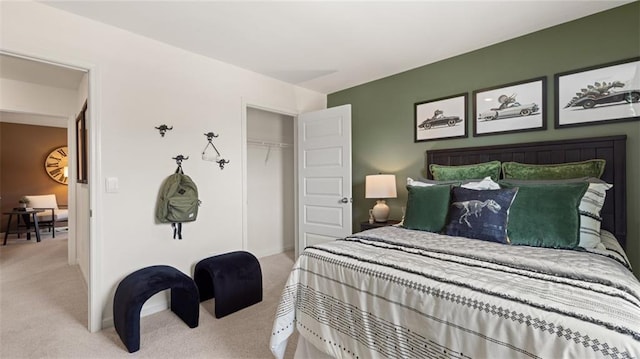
{"x": 589, "y": 209}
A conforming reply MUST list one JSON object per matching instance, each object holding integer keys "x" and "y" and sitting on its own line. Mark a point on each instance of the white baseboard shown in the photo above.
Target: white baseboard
{"x": 152, "y": 308}
{"x": 155, "y": 305}
{"x": 271, "y": 251}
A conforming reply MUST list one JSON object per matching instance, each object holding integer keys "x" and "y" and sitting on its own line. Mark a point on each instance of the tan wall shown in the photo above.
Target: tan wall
{"x": 23, "y": 149}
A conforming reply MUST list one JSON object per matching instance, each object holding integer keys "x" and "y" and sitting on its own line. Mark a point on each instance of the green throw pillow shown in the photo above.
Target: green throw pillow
{"x": 427, "y": 208}
{"x": 590, "y": 206}
{"x": 589, "y": 168}
{"x": 464, "y": 172}
{"x": 546, "y": 215}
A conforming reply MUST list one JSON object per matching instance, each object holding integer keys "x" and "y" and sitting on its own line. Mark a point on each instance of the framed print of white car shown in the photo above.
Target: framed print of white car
{"x": 599, "y": 94}
{"x": 515, "y": 107}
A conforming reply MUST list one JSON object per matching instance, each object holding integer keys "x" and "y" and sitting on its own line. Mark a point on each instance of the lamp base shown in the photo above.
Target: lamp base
{"x": 380, "y": 211}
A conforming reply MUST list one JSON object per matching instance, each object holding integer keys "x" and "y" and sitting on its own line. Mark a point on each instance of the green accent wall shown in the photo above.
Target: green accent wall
{"x": 383, "y": 110}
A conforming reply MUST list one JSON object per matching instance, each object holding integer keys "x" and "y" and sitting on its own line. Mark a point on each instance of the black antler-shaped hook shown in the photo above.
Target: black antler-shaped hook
{"x": 221, "y": 162}
{"x": 163, "y": 129}
{"x": 210, "y": 136}
{"x": 179, "y": 159}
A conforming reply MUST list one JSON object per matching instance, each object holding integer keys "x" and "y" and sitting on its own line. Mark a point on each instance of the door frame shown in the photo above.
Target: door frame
{"x": 246, "y": 104}
{"x": 94, "y": 310}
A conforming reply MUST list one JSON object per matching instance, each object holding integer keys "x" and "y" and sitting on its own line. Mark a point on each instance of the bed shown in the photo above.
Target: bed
{"x": 395, "y": 292}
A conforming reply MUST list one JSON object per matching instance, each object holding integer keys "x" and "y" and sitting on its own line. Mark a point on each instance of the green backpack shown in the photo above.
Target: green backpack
{"x": 177, "y": 202}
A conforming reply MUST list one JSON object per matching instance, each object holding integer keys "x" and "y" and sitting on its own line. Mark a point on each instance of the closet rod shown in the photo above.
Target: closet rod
{"x": 267, "y": 143}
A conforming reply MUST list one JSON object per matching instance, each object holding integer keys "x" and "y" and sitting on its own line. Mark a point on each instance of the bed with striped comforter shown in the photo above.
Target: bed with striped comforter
{"x": 396, "y": 293}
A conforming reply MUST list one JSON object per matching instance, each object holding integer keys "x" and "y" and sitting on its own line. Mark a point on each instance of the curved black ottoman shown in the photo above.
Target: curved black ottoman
{"x": 134, "y": 290}
{"x": 234, "y": 279}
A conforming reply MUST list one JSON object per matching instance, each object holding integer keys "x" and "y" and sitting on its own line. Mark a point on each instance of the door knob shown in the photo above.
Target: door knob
{"x": 344, "y": 200}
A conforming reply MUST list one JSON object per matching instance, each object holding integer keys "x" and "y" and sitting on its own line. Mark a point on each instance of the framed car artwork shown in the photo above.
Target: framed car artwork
{"x": 442, "y": 118}
{"x": 515, "y": 107}
{"x": 598, "y": 94}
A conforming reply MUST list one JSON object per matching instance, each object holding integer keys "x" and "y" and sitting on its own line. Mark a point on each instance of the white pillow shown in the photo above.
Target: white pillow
{"x": 486, "y": 183}
{"x": 412, "y": 182}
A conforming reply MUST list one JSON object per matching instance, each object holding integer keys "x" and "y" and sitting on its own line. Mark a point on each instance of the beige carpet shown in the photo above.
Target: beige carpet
{"x": 43, "y": 313}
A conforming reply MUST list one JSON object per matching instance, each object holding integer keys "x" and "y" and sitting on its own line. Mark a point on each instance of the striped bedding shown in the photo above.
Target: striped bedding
{"x": 396, "y": 293}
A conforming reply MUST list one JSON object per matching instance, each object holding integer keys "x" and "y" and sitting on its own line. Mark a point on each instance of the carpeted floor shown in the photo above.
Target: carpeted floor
{"x": 43, "y": 313}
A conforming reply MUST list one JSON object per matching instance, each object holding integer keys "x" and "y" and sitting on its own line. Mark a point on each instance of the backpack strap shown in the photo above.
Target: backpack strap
{"x": 177, "y": 230}
{"x": 177, "y": 227}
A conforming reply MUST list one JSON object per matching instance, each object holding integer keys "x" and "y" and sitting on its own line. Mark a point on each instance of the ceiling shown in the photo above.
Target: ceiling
{"x": 330, "y": 46}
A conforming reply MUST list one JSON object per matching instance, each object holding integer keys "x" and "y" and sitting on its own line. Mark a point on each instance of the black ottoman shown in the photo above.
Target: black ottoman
{"x": 234, "y": 279}
{"x": 134, "y": 290}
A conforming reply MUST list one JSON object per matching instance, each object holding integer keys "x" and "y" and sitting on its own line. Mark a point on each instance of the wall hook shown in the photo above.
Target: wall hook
{"x": 222, "y": 162}
{"x": 163, "y": 129}
{"x": 179, "y": 159}
{"x": 210, "y": 136}
{"x": 218, "y": 158}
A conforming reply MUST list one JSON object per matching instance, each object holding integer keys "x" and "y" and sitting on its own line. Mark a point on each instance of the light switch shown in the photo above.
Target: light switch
{"x": 111, "y": 184}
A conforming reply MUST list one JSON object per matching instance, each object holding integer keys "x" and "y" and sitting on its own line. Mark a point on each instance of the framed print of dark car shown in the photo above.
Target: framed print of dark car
{"x": 441, "y": 118}
{"x": 598, "y": 94}
{"x": 515, "y": 107}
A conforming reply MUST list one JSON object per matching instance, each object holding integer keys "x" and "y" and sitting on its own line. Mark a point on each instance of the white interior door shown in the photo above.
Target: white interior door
{"x": 324, "y": 176}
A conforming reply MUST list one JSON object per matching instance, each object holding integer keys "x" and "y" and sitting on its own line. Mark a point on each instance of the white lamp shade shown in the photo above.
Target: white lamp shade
{"x": 380, "y": 186}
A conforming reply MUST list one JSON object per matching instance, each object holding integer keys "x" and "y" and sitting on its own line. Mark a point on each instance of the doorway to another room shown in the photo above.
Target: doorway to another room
{"x": 40, "y": 104}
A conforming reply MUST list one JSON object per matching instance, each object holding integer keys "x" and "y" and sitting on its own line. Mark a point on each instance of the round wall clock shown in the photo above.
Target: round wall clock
{"x": 56, "y": 165}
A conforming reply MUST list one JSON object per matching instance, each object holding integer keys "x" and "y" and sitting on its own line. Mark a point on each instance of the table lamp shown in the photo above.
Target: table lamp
{"x": 380, "y": 186}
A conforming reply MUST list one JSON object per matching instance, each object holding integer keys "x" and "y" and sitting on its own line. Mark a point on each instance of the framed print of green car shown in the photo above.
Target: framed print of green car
{"x": 441, "y": 118}
{"x": 515, "y": 107}
{"x": 598, "y": 94}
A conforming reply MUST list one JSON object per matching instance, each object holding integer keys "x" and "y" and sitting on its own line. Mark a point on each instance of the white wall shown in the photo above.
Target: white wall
{"x": 270, "y": 183}
{"x": 32, "y": 119}
{"x": 24, "y": 97}
{"x": 141, "y": 83}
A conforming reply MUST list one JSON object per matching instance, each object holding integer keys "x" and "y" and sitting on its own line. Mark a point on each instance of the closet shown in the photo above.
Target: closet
{"x": 270, "y": 182}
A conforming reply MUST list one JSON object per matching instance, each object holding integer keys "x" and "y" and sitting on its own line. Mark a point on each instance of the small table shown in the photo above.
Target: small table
{"x": 366, "y": 225}
{"x": 26, "y": 215}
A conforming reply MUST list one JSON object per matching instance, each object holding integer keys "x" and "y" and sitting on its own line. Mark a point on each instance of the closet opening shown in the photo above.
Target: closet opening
{"x": 271, "y": 182}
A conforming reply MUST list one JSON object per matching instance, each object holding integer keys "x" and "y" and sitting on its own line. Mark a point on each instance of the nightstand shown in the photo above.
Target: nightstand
{"x": 367, "y": 225}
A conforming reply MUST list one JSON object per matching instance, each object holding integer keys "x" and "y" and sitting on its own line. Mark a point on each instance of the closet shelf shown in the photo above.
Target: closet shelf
{"x": 268, "y": 143}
